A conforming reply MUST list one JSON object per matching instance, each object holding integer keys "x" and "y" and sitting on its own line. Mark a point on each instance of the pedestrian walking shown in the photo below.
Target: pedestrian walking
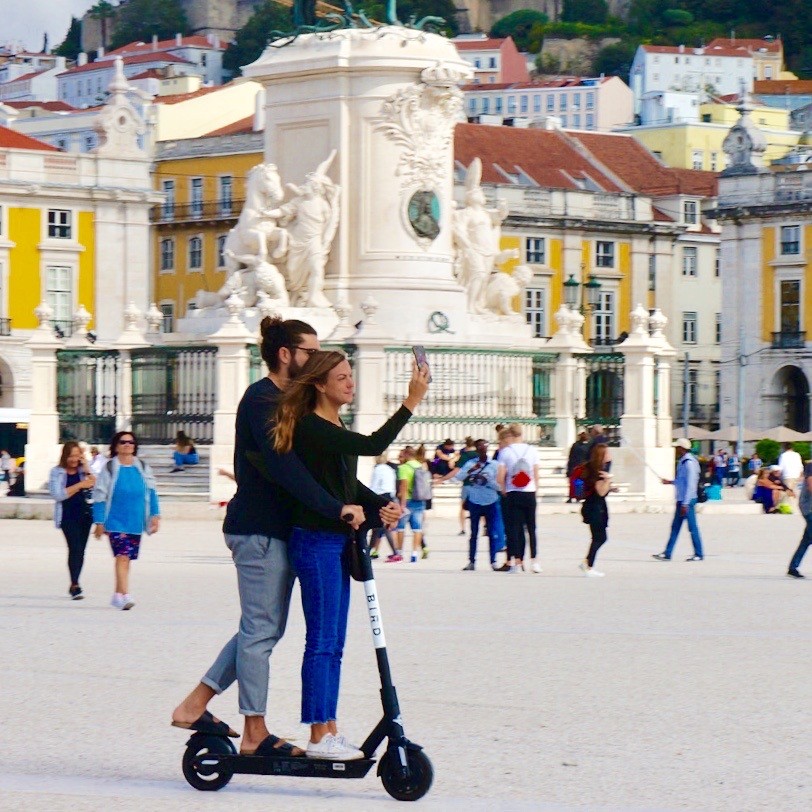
{"x": 383, "y": 483}
{"x": 734, "y": 470}
{"x": 595, "y": 512}
{"x": 791, "y": 466}
{"x": 97, "y": 460}
{"x": 414, "y": 489}
{"x": 468, "y": 453}
{"x": 686, "y": 484}
{"x": 125, "y": 506}
{"x": 805, "y": 506}
{"x": 69, "y": 484}
{"x": 308, "y": 422}
{"x": 518, "y": 479}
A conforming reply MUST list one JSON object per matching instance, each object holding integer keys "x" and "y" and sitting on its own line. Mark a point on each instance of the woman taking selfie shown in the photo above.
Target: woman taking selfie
{"x": 308, "y": 422}
{"x": 68, "y": 485}
{"x": 125, "y": 506}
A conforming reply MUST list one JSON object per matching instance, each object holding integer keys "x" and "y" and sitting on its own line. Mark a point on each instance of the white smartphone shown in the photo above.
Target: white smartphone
{"x": 421, "y": 358}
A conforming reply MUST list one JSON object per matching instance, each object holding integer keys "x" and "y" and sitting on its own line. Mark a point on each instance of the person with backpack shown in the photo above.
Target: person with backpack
{"x": 125, "y": 506}
{"x": 805, "y": 506}
{"x": 414, "y": 490}
{"x": 686, "y": 485}
{"x": 518, "y": 479}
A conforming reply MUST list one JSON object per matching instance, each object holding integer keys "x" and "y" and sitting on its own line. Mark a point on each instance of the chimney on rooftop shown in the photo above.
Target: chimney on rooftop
{"x": 154, "y": 42}
{"x": 100, "y": 53}
{"x": 178, "y": 39}
{"x": 81, "y": 59}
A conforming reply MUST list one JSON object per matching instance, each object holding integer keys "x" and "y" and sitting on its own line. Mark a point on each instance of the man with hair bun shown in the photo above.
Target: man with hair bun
{"x": 256, "y": 530}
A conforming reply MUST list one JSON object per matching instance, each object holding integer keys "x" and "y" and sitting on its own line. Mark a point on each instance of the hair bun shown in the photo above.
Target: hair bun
{"x": 270, "y": 323}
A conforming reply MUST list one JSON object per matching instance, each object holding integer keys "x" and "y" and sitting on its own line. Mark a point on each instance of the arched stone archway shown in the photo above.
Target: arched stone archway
{"x": 791, "y": 389}
{"x": 6, "y": 385}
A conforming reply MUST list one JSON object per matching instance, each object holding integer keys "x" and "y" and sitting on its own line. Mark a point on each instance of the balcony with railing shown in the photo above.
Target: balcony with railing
{"x": 212, "y": 211}
{"x": 789, "y": 340}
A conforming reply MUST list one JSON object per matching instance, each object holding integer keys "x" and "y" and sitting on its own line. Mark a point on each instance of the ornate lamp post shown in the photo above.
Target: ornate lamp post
{"x": 583, "y": 298}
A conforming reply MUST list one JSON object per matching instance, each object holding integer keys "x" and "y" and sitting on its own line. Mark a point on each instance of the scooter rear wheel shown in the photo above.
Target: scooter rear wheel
{"x": 411, "y": 787}
{"x": 207, "y": 782}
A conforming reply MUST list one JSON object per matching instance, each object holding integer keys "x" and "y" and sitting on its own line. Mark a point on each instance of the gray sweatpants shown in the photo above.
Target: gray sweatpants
{"x": 265, "y": 582}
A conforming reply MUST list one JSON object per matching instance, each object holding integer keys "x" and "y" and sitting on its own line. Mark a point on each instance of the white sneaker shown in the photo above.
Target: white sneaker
{"x": 513, "y": 568}
{"x": 536, "y": 567}
{"x": 117, "y": 601}
{"x": 333, "y": 748}
{"x": 593, "y": 573}
{"x": 128, "y": 602}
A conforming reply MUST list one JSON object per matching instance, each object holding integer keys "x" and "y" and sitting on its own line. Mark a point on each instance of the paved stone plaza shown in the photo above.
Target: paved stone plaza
{"x": 661, "y": 686}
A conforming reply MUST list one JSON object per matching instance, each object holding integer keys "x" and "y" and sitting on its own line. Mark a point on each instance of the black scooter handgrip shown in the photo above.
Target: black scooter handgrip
{"x": 347, "y": 517}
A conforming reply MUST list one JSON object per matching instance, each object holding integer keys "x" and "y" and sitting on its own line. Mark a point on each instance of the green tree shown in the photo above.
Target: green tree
{"x": 615, "y": 60}
{"x": 520, "y": 25}
{"x": 103, "y": 12}
{"x": 768, "y": 451}
{"x": 252, "y": 38}
{"x": 71, "y": 46}
{"x": 139, "y": 20}
{"x": 585, "y": 11}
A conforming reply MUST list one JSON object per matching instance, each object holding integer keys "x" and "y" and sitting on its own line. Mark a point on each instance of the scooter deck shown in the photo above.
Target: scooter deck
{"x": 299, "y": 766}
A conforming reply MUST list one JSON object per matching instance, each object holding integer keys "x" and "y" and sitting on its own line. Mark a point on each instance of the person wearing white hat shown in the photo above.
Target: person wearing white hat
{"x": 686, "y": 484}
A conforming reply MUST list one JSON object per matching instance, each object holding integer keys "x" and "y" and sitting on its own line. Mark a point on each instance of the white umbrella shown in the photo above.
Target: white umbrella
{"x": 781, "y": 434}
{"x": 694, "y": 433}
{"x": 731, "y": 435}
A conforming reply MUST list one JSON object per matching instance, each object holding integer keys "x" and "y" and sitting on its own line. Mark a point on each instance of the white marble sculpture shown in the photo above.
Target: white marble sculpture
{"x": 477, "y": 231}
{"x": 310, "y": 220}
{"x": 503, "y": 288}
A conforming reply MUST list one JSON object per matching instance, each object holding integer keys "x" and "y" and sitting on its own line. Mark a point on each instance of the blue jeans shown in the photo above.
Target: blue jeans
{"x": 494, "y": 536}
{"x": 692, "y": 527}
{"x": 317, "y": 557}
{"x": 185, "y": 459}
{"x": 806, "y": 540}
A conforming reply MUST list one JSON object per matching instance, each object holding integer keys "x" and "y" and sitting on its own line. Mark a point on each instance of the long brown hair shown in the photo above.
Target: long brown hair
{"x": 594, "y": 465}
{"x": 301, "y": 396}
{"x": 66, "y": 452}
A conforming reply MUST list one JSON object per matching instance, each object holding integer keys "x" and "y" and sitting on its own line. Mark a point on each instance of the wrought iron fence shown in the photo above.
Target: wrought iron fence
{"x": 174, "y": 388}
{"x": 473, "y": 390}
{"x": 604, "y": 393}
{"x": 86, "y": 387}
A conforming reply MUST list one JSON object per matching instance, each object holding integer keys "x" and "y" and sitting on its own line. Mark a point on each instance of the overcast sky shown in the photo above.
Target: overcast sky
{"x": 25, "y": 21}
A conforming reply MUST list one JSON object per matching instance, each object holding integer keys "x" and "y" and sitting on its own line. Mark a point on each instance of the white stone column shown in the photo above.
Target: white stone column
{"x": 131, "y": 338}
{"x": 42, "y": 448}
{"x": 232, "y": 341}
{"x": 666, "y": 352}
{"x": 568, "y": 342}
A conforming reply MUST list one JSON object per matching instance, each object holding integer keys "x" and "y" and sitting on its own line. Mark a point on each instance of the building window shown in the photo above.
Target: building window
{"x": 511, "y": 105}
{"x": 477, "y": 63}
{"x": 790, "y": 293}
{"x": 652, "y": 272}
{"x": 522, "y": 104}
{"x": 562, "y": 101}
{"x": 537, "y": 103}
{"x": 717, "y": 263}
{"x": 590, "y": 121}
{"x": 604, "y": 254}
{"x": 486, "y": 105}
{"x": 590, "y": 100}
{"x": 497, "y": 105}
{"x": 564, "y": 123}
{"x": 535, "y": 311}
{"x": 472, "y": 106}
{"x": 550, "y": 103}
{"x": 689, "y": 327}
{"x": 195, "y": 253}
{"x": 225, "y": 194}
{"x": 690, "y": 212}
{"x": 59, "y": 224}
{"x": 605, "y": 317}
{"x": 790, "y": 240}
{"x": 576, "y": 101}
{"x": 168, "y": 188}
{"x": 492, "y": 62}
{"x": 697, "y": 158}
{"x": 576, "y": 121}
{"x": 90, "y": 141}
{"x": 714, "y": 161}
{"x": 167, "y": 254}
{"x": 59, "y": 295}
{"x": 197, "y": 197}
{"x": 718, "y": 328}
{"x": 168, "y": 313}
{"x": 689, "y": 260}
{"x": 768, "y": 71}
{"x": 221, "y": 247}
{"x": 203, "y": 59}
{"x": 534, "y": 252}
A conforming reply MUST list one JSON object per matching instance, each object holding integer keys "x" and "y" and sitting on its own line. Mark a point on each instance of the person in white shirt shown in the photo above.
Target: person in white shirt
{"x": 97, "y": 460}
{"x": 384, "y": 483}
{"x": 518, "y": 480}
{"x": 791, "y": 465}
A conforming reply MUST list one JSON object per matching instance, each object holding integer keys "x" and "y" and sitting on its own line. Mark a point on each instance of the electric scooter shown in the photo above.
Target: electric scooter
{"x": 210, "y": 761}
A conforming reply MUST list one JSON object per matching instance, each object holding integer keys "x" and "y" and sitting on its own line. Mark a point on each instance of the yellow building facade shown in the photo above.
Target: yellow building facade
{"x": 203, "y": 183}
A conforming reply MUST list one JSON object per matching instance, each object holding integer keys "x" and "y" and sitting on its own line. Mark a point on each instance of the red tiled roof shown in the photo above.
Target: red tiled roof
{"x": 775, "y": 46}
{"x": 138, "y": 59}
{"x": 547, "y": 156}
{"x": 244, "y": 125}
{"x": 56, "y": 106}
{"x": 627, "y": 158}
{"x": 9, "y": 139}
{"x": 163, "y": 45}
{"x": 557, "y": 82}
{"x": 151, "y": 73}
{"x": 490, "y": 44}
{"x": 782, "y": 87}
{"x": 24, "y": 77}
{"x": 175, "y": 98}
{"x": 661, "y": 216}
{"x": 706, "y": 51}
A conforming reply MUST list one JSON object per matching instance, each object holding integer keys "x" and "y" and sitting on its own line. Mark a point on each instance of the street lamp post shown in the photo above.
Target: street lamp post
{"x": 583, "y": 298}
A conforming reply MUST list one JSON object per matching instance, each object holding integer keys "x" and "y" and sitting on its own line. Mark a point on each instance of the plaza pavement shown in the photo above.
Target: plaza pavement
{"x": 662, "y": 686}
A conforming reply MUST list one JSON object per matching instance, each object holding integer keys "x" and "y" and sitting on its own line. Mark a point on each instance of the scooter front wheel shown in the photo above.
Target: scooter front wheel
{"x": 402, "y": 787}
{"x": 204, "y": 780}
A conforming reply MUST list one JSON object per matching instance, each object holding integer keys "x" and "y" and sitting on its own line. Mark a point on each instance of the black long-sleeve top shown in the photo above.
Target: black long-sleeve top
{"x": 262, "y": 504}
{"x": 330, "y": 453}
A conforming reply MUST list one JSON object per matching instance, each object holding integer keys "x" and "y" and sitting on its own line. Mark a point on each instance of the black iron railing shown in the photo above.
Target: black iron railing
{"x": 186, "y": 212}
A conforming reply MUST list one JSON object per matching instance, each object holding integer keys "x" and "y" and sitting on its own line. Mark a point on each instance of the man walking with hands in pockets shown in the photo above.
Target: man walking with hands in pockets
{"x": 686, "y": 484}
